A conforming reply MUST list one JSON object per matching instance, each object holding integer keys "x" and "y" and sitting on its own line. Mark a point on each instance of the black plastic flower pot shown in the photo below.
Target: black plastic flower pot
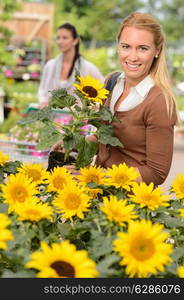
{"x": 56, "y": 159}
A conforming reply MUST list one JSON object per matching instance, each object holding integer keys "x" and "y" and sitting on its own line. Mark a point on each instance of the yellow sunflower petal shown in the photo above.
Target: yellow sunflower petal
{"x": 180, "y": 271}
{"x": 121, "y": 176}
{"x": 5, "y": 234}
{"x": 58, "y": 178}
{"x": 92, "y": 174}
{"x": 62, "y": 261}
{"x": 178, "y": 186}
{"x": 117, "y": 210}
{"x": 143, "y": 248}
{"x": 148, "y": 196}
{"x": 4, "y": 158}
{"x": 33, "y": 210}
{"x": 18, "y": 189}
{"x": 35, "y": 171}
{"x": 72, "y": 200}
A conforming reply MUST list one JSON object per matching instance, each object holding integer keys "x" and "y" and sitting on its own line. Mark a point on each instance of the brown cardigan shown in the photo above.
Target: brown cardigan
{"x": 146, "y": 132}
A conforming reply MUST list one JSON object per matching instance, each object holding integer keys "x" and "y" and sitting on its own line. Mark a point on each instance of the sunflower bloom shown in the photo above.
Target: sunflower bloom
{"x": 4, "y": 158}
{"x": 5, "y": 234}
{"x": 92, "y": 89}
{"x": 181, "y": 211}
{"x": 62, "y": 261}
{"x": 143, "y": 248}
{"x": 33, "y": 210}
{"x": 92, "y": 174}
{"x": 178, "y": 186}
{"x": 117, "y": 210}
{"x": 146, "y": 195}
{"x": 93, "y": 193}
{"x": 180, "y": 271}
{"x": 72, "y": 200}
{"x": 121, "y": 176}
{"x": 34, "y": 171}
{"x": 57, "y": 178}
{"x": 18, "y": 189}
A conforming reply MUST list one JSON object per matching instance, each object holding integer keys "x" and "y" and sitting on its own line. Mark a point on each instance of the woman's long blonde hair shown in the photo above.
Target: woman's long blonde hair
{"x": 159, "y": 70}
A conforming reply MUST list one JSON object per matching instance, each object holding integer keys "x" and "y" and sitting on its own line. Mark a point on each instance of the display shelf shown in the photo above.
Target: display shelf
{"x": 28, "y": 63}
{"x": 24, "y": 151}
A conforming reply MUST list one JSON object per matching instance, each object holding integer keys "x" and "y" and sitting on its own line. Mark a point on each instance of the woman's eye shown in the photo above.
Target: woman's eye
{"x": 124, "y": 46}
{"x": 143, "y": 48}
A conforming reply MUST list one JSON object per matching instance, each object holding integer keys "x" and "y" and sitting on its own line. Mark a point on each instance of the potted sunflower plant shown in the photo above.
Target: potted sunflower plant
{"x": 86, "y": 108}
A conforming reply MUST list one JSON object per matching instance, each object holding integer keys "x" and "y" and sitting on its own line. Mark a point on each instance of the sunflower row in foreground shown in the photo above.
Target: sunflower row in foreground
{"x": 100, "y": 223}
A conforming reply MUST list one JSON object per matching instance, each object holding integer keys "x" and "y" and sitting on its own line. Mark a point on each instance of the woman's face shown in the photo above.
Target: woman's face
{"x": 136, "y": 50}
{"x": 65, "y": 40}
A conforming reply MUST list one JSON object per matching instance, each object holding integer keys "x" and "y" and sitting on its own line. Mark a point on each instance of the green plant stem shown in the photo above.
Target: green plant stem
{"x": 66, "y": 155}
{"x": 98, "y": 225}
{"x": 73, "y": 113}
{"x": 148, "y": 214}
{"x": 58, "y": 124}
{"x": 109, "y": 232}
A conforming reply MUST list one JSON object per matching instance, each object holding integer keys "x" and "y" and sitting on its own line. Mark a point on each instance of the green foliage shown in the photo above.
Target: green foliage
{"x": 105, "y": 136}
{"x": 18, "y": 95}
{"x": 8, "y": 168}
{"x": 100, "y": 19}
{"x": 60, "y": 99}
{"x": 48, "y": 136}
{"x": 173, "y": 19}
{"x": 10, "y": 122}
{"x": 41, "y": 115}
{"x": 5, "y": 56}
{"x": 86, "y": 151}
{"x": 105, "y": 58}
{"x": 180, "y": 101}
{"x": 7, "y": 8}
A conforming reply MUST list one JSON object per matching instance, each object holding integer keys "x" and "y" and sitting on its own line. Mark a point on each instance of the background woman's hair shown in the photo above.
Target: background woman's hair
{"x": 75, "y": 35}
{"x": 159, "y": 70}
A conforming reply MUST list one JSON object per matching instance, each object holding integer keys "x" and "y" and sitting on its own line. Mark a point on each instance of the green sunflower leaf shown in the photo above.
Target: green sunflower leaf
{"x": 105, "y": 136}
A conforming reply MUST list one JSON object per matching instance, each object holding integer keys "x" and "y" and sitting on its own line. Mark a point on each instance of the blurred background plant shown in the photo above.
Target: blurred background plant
{"x": 29, "y": 133}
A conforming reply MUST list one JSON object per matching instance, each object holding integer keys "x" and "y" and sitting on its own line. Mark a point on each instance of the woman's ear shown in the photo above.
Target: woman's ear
{"x": 76, "y": 41}
{"x": 157, "y": 53}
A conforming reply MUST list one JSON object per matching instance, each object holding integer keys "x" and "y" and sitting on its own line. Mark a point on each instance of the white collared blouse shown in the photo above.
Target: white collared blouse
{"x": 136, "y": 95}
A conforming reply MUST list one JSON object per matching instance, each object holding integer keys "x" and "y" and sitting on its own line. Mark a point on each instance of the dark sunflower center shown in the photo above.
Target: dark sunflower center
{"x": 63, "y": 269}
{"x": 90, "y": 91}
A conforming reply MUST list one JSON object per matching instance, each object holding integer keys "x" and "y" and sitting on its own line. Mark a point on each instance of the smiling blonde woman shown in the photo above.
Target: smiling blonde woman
{"x": 142, "y": 99}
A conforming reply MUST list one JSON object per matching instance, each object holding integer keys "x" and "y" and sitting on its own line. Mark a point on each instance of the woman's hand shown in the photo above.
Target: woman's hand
{"x": 58, "y": 147}
{"x": 91, "y": 138}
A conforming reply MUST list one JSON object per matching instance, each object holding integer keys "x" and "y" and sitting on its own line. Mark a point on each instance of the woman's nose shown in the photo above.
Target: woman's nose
{"x": 133, "y": 55}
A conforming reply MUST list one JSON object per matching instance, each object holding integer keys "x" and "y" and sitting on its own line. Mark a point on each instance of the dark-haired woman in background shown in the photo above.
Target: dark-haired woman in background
{"x": 59, "y": 72}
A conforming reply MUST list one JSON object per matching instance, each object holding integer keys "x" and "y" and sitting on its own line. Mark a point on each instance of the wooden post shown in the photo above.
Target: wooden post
{"x": 34, "y": 21}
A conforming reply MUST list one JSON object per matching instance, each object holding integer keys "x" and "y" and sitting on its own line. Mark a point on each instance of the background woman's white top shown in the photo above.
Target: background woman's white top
{"x": 51, "y": 80}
